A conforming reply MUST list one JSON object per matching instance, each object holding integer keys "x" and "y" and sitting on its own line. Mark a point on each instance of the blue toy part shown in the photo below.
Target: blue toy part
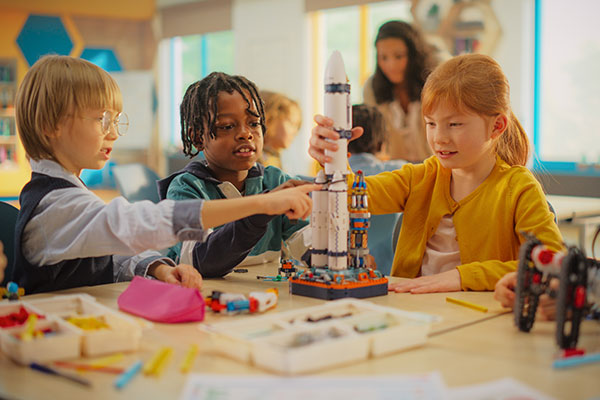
{"x": 12, "y": 288}
{"x": 238, "y": 305}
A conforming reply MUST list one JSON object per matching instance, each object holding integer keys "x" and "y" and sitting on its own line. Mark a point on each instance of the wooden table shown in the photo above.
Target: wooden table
{"x": 467, "y": 347}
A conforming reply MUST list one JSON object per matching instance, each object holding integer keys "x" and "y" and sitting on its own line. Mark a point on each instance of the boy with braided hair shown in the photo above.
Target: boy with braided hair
{"x": 223, "y": 116}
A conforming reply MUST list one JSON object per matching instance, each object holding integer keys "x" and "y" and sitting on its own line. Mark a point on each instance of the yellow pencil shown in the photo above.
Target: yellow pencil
{"x": 108, "y": 360}
{"x": 188, "y": 361}
{"x": 150, "y": 365}
{"x": 467, "y": 304}
{"x": 156, "y": 363}
{"x": 163, "y": 361}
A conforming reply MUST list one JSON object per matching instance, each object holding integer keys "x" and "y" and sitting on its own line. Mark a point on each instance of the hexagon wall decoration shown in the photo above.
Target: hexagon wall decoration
{"x": 102, "y": 57}
{"x": 41, "y": 35}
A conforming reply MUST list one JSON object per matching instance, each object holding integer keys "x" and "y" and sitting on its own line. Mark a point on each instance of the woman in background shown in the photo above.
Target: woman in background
{"x": 403, "y": 64}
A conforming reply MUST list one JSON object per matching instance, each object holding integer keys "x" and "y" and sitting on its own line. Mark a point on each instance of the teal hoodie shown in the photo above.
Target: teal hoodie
{"x": 252, "y": 240}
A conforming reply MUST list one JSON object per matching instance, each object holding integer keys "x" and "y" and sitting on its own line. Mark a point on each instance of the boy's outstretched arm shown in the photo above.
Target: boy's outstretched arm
{"x": 229, "y": 245}
{"x": 293, "y": 202}
{"x": 323, "y": 130}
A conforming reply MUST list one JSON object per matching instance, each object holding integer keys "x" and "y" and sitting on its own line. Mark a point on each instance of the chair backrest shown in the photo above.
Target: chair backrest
{"x": 380, "y": 240}
{"x": 136, "y": 182}
{"x": 8, "y": 221}
{"x": 396, "y": 233}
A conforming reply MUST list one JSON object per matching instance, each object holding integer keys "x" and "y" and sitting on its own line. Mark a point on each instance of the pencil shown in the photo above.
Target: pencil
{"x": 575, "y": 361}
{"x": 88, "y": 367}
{"x": 51, "y": 371}
{"x": 466, "y": 304}
{"x": 156, "y": 363}
{"x": 128, "y": 375}
{"x": 186, "y": 365}
{"x": 108, "y": 360}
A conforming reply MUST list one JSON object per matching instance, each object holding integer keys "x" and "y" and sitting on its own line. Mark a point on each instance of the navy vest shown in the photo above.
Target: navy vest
{"x": 65, "y": 274}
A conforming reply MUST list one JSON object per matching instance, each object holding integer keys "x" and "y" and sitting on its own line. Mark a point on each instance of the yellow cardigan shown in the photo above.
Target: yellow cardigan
{"x": 488, "y": 221}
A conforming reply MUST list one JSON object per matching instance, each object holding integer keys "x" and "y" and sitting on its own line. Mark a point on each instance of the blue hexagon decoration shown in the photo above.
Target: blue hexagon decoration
{"x": 41, "y": 35}
{"x": 104, "y": 58}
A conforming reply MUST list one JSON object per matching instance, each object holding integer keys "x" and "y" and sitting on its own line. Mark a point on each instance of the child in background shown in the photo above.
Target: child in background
{"x": 223, "y": 116}
{"x": 68, "y": 114}
{"x": 466, "y": 206}
{"x": 283, "y": 119}
{"x": 362, "y": 157}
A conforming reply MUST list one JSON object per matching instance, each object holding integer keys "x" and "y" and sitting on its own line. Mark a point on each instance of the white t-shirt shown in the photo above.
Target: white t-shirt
{"x": 441, "y": 253}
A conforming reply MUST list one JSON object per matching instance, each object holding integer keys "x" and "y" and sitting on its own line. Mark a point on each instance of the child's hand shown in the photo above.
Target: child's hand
{"x": 182, "y": 274}
{"x": 293, "y": 202}
{"x": 289, "y": 184}
{"x": 504, "y": 291}
{"x": 448, "y": 281}
{"x": 547, "y": 305}
{"x": 3, "y": 262}
{"x": 323, "y": 131}
{"x": 505, "y": 294}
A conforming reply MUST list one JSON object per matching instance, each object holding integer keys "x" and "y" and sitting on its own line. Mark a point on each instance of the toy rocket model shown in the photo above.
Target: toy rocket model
{"x": 335, "y": 271}
{"x": 338, "y": 108}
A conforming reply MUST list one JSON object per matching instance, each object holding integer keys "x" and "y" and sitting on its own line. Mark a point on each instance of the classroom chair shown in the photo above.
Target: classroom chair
{"x": 381, "y": 243}
{"x": 136, "y": 182}
{"x": 8, "y": 221}
{"x": 397, "y": 231}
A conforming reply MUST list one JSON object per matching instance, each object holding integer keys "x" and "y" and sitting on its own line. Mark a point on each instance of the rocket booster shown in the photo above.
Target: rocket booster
{"x": 338, "y": 108}
{"x": 338, "y": 222}
{"x": 319, "y": 223}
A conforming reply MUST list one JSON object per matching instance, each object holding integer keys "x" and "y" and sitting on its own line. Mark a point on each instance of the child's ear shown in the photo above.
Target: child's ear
{"x": 500, "y": 124}
{"x": 55, "y": 132}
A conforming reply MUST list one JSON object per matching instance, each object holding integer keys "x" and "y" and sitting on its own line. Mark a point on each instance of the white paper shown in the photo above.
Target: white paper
{"x": 225, "y": 387}
{"x": 501, "y": 389}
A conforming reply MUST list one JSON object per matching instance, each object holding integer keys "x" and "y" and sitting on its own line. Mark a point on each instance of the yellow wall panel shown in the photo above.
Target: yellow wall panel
{"x": 132, "y": 9}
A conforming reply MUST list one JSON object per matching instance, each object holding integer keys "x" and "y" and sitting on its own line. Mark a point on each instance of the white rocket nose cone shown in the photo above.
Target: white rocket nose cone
{"x": 335, "y": 71}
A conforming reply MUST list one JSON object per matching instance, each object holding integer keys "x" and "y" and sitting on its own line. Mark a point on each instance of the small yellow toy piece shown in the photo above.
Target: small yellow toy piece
{"x": 188, "y": 361}
{"x": 88, "y": 323}
{"x": 108, "y": 360}
{"x": 27, "y": 334}
{"x": 157, "y": 363}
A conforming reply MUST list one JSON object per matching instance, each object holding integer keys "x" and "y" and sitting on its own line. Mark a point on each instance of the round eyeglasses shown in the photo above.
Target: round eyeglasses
{"x": 120, "y": 122}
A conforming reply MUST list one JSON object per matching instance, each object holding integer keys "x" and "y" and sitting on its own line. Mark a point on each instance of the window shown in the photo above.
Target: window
{"x": 185, "y": 60}
{"x": 566, "y": 100}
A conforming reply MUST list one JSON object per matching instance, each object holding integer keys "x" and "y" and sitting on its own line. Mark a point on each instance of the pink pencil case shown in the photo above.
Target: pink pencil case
{"x": 162, "y": 302}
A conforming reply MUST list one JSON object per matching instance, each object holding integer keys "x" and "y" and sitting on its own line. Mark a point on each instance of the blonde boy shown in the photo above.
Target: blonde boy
{"x": 69, "y": 114}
